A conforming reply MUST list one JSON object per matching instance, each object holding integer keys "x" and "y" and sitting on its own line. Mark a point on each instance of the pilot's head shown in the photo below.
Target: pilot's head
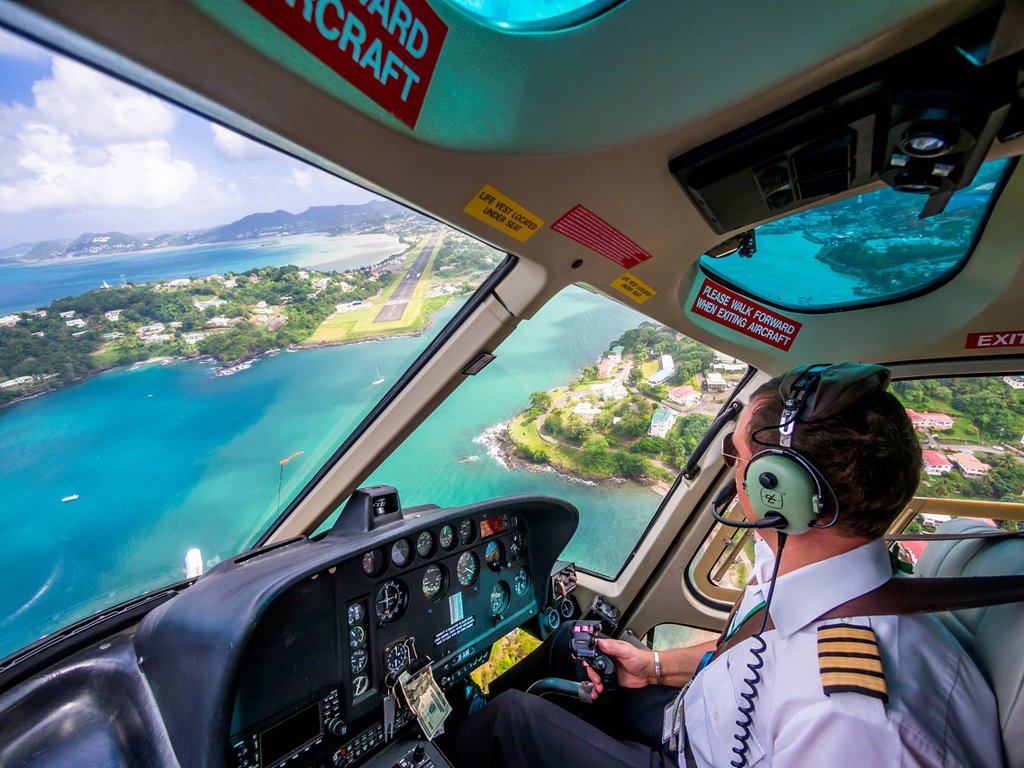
{"x": 867, "y": 451}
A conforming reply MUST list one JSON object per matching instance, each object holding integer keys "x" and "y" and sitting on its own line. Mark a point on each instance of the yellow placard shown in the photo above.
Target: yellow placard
{"x": 636, "y": 289}
{"x": 492, "y": 207}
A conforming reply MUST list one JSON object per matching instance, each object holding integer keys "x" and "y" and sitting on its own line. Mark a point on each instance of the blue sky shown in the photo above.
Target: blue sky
{"x": 82, "y": 152}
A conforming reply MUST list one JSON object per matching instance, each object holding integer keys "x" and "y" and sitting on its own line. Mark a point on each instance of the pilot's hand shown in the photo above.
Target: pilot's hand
{"x": 634, "y": 667}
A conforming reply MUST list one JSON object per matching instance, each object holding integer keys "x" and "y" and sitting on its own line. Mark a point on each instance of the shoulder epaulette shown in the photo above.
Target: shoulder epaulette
{"x": 849, "y": 661}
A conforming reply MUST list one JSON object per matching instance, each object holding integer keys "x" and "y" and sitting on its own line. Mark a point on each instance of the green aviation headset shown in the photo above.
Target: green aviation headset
{"x": 786, "y": 491}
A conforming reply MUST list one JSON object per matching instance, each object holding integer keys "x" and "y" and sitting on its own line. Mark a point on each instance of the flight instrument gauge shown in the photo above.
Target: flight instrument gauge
{"x": 401, "y": 553}
{"x": 359, "y": 659}
{"x": 516, "y": 546}
{"x": 390, "y": 601}
{"x": 425, "y": 544}
{"x": 447, "y": 537}
{"x": 494, "y": 555}
{"x": 396, "y": 656}
{"x": 466, "y": 531}
{"x": 521, "y": 582}
{"x": 355, "y": 613}
{"x": 360, "y": 685}
{"x": 357, "y": 636}
{"x": 501, "y": 595}
{"x": 434, "y": 581}
{"x": 467, "y": 568}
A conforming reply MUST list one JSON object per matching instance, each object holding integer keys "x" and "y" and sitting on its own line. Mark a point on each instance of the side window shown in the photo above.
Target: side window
{"x": 972, "y": 439}
{"x": 589, "y": 401}
{"x": 971, "y": 431}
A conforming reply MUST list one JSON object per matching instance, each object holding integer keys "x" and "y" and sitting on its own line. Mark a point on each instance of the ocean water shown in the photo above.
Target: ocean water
{"x": 167, "y": 457}
{"x": 28, "y": 286}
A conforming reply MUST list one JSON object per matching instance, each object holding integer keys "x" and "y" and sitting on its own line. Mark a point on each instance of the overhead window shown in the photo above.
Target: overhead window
{"x": 867, "y": 249}
{"x": 534, "y": 14}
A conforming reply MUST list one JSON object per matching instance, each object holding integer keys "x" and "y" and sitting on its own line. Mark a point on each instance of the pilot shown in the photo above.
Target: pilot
{"x": 798, "y": 689}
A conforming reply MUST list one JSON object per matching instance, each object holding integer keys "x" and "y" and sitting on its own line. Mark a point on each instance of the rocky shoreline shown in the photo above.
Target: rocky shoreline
{"x": 502, "y": 449}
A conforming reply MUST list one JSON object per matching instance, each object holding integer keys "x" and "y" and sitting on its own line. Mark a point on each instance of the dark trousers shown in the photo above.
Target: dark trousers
{"x": 519, "y": 730}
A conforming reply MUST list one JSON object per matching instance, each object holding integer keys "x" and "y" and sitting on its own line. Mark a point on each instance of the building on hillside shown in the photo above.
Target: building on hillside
{"x": 67, "y": 315}
{"x": 616, "y": 353}
{"x": 8, "y": 320}
{"x": 729, "y": 367}
{"x": 76, "y": 323}
{"x": 921, "y": 421}
{"x": 15, "y": 382}
{"x": 230, "y": 283}
{"x": 321, "y": 283}
{"x": 219, "y": 322}
{"x": 715, "y": 382}
{"x": 112, "y": 335}
{"x": 113, "y": 315}
{"x": 147, "y": 330}
{"x": 38, "y": 313}
{"x": 203, "y": 304}
{"x": 605, "y": 367}
{"x": 936, "y": 464}
{"x": 193, "y": 336}
{"x": 662, "y": 422}
{"x": 1017, "y": 382}
{"x": 969, "y": 465}
{"x": 179, "y": 282}
{"x": 612, "y": 390}
{"x": 586, "y": 411}
{"x": 687, "y": 396}
{"x": 157, "y": 337}
{"x": 668, "y": 367}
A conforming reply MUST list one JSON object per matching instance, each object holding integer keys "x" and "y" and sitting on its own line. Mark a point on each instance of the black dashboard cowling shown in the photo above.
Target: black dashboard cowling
{"x": 192, "y": 648}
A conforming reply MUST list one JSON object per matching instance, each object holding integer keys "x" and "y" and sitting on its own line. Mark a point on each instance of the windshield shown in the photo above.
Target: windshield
{"x": 183, "y": 324}
{"x": 867, "y": 249}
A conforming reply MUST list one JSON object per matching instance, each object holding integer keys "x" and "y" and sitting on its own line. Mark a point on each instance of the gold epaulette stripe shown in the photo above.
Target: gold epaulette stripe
{"x": 846, "y": 632}
{"x": 827, "y": 664}
{"x": 859, "y": 647}
{"x": 849, "y": 661}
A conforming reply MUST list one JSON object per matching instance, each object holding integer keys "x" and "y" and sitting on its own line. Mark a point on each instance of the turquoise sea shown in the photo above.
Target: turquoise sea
{"x": 28, "y": 286}
{"x": 165, "y": 457}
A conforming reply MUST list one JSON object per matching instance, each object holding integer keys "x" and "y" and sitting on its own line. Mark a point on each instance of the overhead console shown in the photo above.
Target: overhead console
{"x": 290, "y": 654}
{"x": 921, "y": 122}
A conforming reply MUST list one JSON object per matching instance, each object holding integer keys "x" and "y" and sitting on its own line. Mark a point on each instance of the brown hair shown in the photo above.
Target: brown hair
{"x": 868, "y": 453}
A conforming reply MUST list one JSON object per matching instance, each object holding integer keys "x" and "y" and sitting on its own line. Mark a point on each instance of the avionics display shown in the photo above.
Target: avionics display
{"x": 290, "y": 735}
{"x": 493, "y": 525}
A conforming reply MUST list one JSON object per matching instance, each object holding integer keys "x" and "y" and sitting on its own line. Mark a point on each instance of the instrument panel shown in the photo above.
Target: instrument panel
{"x": 316, "y": 684}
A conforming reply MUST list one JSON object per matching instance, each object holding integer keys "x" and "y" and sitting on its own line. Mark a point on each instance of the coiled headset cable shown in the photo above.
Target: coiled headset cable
{"x": 746, "y": 710}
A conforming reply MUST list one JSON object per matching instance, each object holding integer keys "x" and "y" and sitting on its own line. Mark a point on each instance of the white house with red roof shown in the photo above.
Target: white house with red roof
{"x": 930, "y": 420}
{"x": 936, "y": 463}
{"x": 969, "y": 465}
{"x": 687, "y": 396}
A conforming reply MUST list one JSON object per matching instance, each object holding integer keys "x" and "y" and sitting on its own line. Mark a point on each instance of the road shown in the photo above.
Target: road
{"x": 394, "y": 307}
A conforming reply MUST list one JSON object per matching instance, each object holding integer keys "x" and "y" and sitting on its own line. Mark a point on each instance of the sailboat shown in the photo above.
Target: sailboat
{"x": 379, "y": 379}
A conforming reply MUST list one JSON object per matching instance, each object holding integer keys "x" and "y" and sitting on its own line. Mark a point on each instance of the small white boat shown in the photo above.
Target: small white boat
{"x": 72, "y": 497}
{"x": 379, "y": 379}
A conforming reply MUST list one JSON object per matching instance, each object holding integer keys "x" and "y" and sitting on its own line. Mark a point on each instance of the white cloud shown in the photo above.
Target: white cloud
{"x": 98, "y": 108}
{"x": 303, "y": 178}
{"x": 235, "y": 146}
{"x": 18, "y": 48}
{"x": 90, "y": 143}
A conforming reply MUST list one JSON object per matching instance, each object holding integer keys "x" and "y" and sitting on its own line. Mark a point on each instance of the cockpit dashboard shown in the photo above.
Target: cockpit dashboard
{"x": 289, "y": 655}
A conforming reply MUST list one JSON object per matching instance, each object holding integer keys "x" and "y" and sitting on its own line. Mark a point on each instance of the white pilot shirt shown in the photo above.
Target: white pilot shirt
{"x": 940, "y": 712}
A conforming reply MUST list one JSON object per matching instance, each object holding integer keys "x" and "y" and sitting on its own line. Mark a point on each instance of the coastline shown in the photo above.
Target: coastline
{"x": 502, "y": 449}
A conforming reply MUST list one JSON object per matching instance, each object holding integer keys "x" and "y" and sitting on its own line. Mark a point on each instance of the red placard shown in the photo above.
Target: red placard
{"x": 995, "y": 340}
{"x": 386, "y": 48}
{"x": 598, "y": 235}
{"x": 726, "y": 307}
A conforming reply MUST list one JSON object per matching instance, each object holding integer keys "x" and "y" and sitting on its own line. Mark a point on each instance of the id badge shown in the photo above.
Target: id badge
{"x": 668, "y": 722}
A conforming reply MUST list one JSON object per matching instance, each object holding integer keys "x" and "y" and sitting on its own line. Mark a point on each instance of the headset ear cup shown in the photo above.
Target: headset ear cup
{"x": 778, "y": 483}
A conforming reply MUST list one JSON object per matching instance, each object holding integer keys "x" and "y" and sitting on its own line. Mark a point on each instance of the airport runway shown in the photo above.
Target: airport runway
{"x": 394, "y": 307}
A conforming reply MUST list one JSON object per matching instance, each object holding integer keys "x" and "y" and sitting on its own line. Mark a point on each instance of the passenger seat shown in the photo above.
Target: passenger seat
{"x": 991, "y": 635}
